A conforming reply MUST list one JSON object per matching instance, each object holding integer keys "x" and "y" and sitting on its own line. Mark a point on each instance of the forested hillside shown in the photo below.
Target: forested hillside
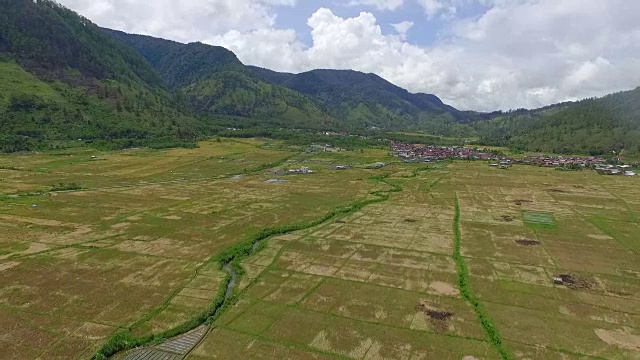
{"x": 595, "y": 126}
{"x": 366, "y": 100}
{"x": 213, "y": 81}
{"x": 62, "y": 79}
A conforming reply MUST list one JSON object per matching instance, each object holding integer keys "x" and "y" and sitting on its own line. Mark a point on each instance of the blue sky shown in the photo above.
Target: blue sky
{"x": 473, "y": 54}
{"x": 423, "y": 32}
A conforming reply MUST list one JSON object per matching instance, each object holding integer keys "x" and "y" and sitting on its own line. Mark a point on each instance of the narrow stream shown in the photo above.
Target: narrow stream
{"x": 232, "y": 283}
{"x": 234, "y": 276}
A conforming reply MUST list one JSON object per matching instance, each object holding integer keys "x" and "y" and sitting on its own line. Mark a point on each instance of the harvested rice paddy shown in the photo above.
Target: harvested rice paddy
{"x": 441, "y": 261}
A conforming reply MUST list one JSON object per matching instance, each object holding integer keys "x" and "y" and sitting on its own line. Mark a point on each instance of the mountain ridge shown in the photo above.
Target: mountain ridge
{"x": 351, "y": 99}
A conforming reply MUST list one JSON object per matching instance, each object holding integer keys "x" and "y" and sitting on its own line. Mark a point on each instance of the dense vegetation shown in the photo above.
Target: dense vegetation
{"x": 362, "y": 100}
{"x": 62, "y": 79}
{"x": 593, "y": 126}
{"x": 212, "y": 81}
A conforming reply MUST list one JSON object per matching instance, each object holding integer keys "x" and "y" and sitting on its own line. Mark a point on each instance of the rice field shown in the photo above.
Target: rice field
{"x": 453, "y": 261}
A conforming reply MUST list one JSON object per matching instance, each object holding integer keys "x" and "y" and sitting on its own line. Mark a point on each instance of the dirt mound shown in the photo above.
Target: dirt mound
{"x": 527, "y": 242}
{"x": 521, "y": 202}
{"x": 572, "y": 281}
{"x": 433, "y": 313}
{"x": 439, "y": 315}
{"x": 507, "y": 218}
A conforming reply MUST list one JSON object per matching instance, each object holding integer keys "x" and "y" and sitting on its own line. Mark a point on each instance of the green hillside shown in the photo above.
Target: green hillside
{"x": 213, "y": 81}
{"x": 595, "y": 126}
{"x": 362, "y": 100}
{"x": 62, "y": 79}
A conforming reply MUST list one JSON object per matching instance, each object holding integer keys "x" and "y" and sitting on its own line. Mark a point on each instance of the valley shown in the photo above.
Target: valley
{"x": 450, "y": 259}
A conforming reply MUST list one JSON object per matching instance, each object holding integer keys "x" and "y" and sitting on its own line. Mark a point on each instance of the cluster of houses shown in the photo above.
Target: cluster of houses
{"x": 411, "y": 153}
{"x": 614, "y": 170}
{"x": 418, "y": 153}
{"x": 559, "y": 161}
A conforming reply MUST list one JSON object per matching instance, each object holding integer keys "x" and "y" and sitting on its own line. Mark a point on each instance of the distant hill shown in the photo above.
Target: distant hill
{"x": 364, "y": 100}
{"x": 213, "y": 81}
{"x": 62, "y": 79}
{"x": 596, "y": 126}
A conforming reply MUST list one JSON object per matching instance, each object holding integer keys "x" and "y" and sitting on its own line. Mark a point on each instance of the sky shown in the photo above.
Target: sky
{"x": 480, "y": 55}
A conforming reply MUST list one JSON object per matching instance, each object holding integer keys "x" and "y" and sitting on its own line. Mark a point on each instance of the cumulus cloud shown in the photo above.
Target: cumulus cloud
{"x": 435, "y": 7}
{"x": 379, "y": 4}
{"x": 517, "y": 53}
{"x": 180, "y": 20}
{"x": 403, "y": 28}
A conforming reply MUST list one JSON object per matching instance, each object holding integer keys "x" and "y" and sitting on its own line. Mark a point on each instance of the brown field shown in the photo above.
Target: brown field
{"x": 381, "y": 283}
{"x": 133, "y": 249}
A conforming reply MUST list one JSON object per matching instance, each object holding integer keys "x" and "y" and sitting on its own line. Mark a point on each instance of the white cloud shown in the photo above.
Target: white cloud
{"x": 180, "y": 20}
{"x": 434, "y": 7}
{"x": 518, "y": 53}
{"x": 378, "y": 4}
{"x": 403, "y": 28}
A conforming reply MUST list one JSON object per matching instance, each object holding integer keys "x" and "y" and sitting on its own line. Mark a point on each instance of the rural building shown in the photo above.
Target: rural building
{"x": 302, "y": 170}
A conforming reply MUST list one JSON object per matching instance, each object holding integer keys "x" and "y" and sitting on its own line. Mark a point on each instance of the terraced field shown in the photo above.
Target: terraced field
{"x": 445, "y": 261}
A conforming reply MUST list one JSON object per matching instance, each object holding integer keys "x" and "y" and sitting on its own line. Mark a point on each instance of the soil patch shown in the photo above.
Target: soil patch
{"x": 572, "y": 282}
{"x": 8, "y": 265}
{"x": 522, "y": 202}
{"x": 619, "y": 338}
{"x": 410, "y": 220}
{"x": 507, "y": 218}
{"x": 527, "y": 242}
{"x": 434, "y": 314}
{"x": 444, "y": 288}
{"x": 340, "y": 222}
{"x": 557, "y": 191}
{"x": 439, "y": 315}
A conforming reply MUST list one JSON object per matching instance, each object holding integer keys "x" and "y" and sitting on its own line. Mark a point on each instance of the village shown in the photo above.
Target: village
{"x": 411, "y": 153}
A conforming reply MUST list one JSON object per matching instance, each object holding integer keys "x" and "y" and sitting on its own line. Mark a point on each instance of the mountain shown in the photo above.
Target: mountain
{"x": 63, "y": 79}
{"x": 364, "y": 100}
{"x": 213, "y": 81}
{"x": 596, "y": 126}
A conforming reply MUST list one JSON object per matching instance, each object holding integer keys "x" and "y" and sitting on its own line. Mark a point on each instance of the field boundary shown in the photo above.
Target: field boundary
{"x": 467, "y": 293}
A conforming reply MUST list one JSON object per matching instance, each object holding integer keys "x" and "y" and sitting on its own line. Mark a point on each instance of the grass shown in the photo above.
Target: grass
{"x": 539, "y": 218}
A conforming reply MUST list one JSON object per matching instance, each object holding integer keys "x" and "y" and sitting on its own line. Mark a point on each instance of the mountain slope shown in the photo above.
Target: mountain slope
{"x": 367, "y": 99}
{"x": 596, "y": 126}
{"x": 213, "y": 81}
{"x": 63, "y": 79}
